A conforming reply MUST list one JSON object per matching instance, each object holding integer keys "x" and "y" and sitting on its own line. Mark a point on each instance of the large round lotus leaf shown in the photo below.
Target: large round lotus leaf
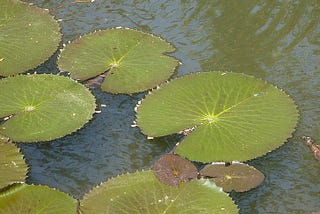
{"x": 237, "y": 176}
{"x": 43, "y": 107}
{"x": 12, "y": 165}
{"x": 235, "y": 116}
{"x": 172, "y": 169}
{"x": 135, "y": 60}
{"x": 142, "y": 192}
{"x": 23, "y": 198}
{"x": 28, "y": 36}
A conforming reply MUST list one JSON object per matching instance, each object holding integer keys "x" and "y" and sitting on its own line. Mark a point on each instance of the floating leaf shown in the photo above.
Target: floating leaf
{"x": 237, "y": 176}
{"x": 28, "y": 36}
{"x": 4, "y": 139}
{"x": 12, "y": 165}
{"x": 234, "y": 116}
{"x": 43, "y": 107}
{"x": 172, "y": 169}
{"x": 135, "y": 61}
{"x": 23, "y": 198}
{"x": 142, "y": 192}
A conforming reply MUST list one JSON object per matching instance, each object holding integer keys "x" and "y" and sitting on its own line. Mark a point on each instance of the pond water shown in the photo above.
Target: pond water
{"x": 278, "y": 41}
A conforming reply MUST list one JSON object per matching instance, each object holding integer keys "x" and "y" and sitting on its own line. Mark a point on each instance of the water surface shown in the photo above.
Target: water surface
{"x": 278, "y": 41}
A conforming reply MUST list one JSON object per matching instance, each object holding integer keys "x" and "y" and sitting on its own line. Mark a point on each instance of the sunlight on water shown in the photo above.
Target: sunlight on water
{"x": 278, "y": 41}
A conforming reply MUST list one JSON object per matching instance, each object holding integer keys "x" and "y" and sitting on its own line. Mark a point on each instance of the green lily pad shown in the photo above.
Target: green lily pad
{"x": 172, "y": 170}
{"x": 237, "y": 176}
{"x": 135, "y": 61}
{"x": 28, "y": 36}
{"x": 4, "y": 139}
{"x": 23, "y": 198}
{"x": 142, "y": 192}
{"x": 231, "y": 116}
{"x": 13, "y": 168}
{"x": 42, "y": 107}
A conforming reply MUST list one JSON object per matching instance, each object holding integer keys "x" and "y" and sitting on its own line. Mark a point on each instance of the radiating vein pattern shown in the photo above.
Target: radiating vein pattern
{"x": 236, "y": 117}
{"x": 43, "y": 107}
{"x": 134, "y": 61}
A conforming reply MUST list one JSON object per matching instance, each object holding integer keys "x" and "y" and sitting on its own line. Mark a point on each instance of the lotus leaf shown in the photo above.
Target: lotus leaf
{"x": 135, "y": 61}
{"x": 28, "y": 36}
{"x": 229, "y": 116}
{"x": 42, "y": 107}
{"x": 12, "y": 165}
{"x": 142, "y": 192}
{"x": 237, "y": 176}
{"x": 23, "y": 198}
{"x": 172, "y": 169}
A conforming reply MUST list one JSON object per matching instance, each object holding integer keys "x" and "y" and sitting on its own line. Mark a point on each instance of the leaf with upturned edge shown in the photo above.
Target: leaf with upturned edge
{"x": 142, "y": 192}
{"x": 234, "y": 116}
{"x": 172, "y": 169}
{"x": 135, "y": 60}
{"x": 42, "y": 107}
{"x": 237, "y": 176}
{"x": 28, "y": 36}
{"x": 24, "y": 198}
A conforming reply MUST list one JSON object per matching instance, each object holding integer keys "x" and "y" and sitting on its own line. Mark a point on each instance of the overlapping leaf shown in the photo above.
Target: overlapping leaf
{"x": 135, "y": 61}
{"x": 28, "y": 36}
{"x": 43, "y": 107}
{"x": 23, "y": 198}
{"x": 12, "y": 165}
{"x": 142, "y": 192}
{"x": 234, "y": 116}
{"x": 172, "y": 169}
{"x": 237, "y": 176}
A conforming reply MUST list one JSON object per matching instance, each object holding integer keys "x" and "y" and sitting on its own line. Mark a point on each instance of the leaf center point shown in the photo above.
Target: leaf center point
{"x": 210, "y": 119}
{"x": 114, "y": 65}
{"x": 29, "y": 108}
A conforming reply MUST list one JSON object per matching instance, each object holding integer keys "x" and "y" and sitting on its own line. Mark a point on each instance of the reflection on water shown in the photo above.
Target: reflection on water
{"x": 251, "y": 36}
{"x": 275, "y": 40}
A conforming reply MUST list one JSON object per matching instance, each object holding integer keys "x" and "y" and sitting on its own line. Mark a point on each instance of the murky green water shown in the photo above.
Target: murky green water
{"x": 275, "y": 40}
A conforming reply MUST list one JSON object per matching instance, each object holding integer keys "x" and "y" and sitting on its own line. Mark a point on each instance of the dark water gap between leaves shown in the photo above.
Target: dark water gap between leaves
{"x": 103, "y": 148}
{"x": 275, "y": 40}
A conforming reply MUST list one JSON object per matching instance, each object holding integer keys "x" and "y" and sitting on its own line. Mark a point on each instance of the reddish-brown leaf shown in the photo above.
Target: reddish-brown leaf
{"x": 172, "y": 169}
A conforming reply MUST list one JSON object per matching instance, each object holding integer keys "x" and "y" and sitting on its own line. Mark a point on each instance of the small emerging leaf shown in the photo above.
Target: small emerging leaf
{"x": 237, "y": 176}
{"x": 172, "y": 169}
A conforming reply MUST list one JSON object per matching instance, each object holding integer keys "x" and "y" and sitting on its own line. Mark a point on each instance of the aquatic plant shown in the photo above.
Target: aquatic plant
{"x": 132, "y": 61}
{"x": 228, "y": 116}
{"x": 34, "y": 106}
{"x": 142, "y": 192}
{"x": 225, "y": 117}
{"x": 172, "y": 169}
{"x": 24, "y": 198}
{"x": 28, "y": 36}
{"x": 13, "y": 168}
{"x": 239, "y": 177}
